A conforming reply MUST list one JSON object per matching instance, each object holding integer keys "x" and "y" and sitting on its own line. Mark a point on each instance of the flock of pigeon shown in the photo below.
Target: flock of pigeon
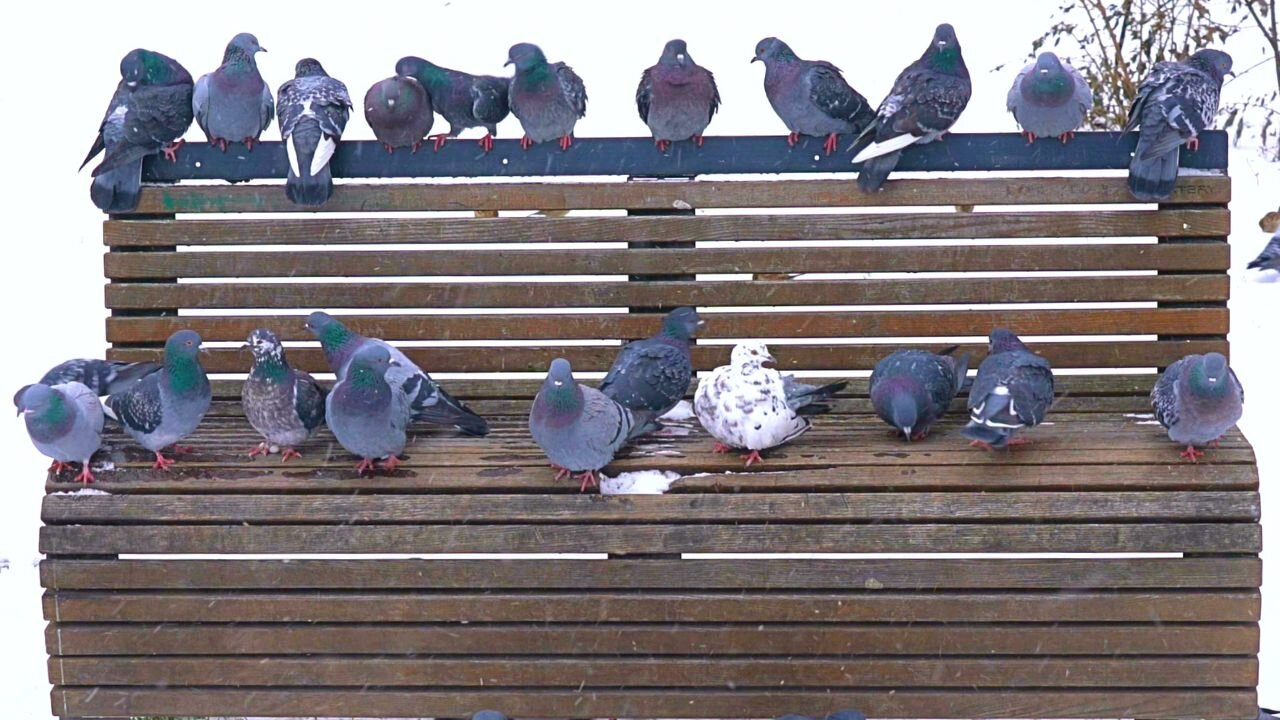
{"x": 743, "y": 405}
{"x": 156, "y": 101}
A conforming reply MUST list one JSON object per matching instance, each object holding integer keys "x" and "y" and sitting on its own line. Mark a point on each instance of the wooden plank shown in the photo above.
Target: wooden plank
{"x": 701, "y": 640}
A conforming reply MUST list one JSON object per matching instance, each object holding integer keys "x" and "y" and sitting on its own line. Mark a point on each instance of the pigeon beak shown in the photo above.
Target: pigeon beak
{"x": 680, "y": 58}
{"x": 755, "y": 59}
{"x": 906, "y": 432}
{"x": 557, "y": 383}
{"x": 204, "y": 350}
{"x": 132, "y": 84}
{"x": 1044, "y": 71}
{"x": 261, "y": 49}
{"x": 508, "y": 62}
{"x": 246, "y": 346}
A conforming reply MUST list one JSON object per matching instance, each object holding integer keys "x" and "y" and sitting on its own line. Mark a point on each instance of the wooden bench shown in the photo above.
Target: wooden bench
{"x": 1093, "y": 574}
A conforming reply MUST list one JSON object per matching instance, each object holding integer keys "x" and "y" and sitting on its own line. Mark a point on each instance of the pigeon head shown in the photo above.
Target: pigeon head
{"x": 369, "y": 365}
{"x": 560, "y": 390}
{"x": 676, "y": 52}
{"x": 771, "y": 49}
{"x": 410, "y": 65}
{"x": 525, "y": 56}
{"x": 145, "y": 67}
{"x": 242, "y": 48}
{"x": 943, "y": 54}
{"x": 1214, "y": 63}
{"x": 17, "y": 397}
{"x": 1004, "y": 340}
{"x": 1210, "y": 375}
{"x": 750, "y": 354}
{"x": 183, "y": 344}
{"x": 394, "y": 96}
{"x": 681, "y": 323}
{"x": 37, "y": 400}
{"x": 1048, "y": 83}
{"x": 904, "y": 412}
{"x": 898, "y": 400}
{"x": 309, "y": 67}
{"x": 331, "y": 333}
{"x": 264, "y": 344}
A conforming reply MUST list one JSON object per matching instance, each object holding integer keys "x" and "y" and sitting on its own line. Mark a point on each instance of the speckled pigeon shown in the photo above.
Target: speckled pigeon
{"x": 926, "y": 100}
{"x": 151, "y": 109}
{"x": 1013, "y": 390}
{"x": 64, "y": 422}
{"x": 367, "y": 413}
{"x": 653, "y": 374}
{"x": 284, "y": 405}
{"x": 677, "y": 97}
{"x": 911, "y": 389}
{"x": 811, "y": 96}
{"x": 166, "y": 406}
{"x": 103, "y": 377}
{"x": 1175, "y": 102}
{"x": 578, "y": 427}
{"x": 428, "y": 401}
{"x": 399, "y": 112}
{"x": 1049, "y": 98}
{"x": 313, "y": 113}
{"x": 233, "y": 103}
{"x": 547, "y": 98}
{"x": 463, "y": 100}
{"x": 1269, "y": 258}
{"x": 1198, "y": 398}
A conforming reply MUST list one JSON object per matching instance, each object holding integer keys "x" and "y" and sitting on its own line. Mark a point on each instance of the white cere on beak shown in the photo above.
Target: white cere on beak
{"x": 391, "y": 102}
{"x": 680, "y": 57}
{"x": 557, "y": 383}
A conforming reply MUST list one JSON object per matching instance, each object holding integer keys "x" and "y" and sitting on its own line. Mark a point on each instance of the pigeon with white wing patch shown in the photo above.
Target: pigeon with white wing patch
{"x": 1012, "y": 390}
{"x": 313, "y": 113}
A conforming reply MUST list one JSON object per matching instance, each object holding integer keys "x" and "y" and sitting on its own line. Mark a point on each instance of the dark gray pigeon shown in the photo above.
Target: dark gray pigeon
{"x": 911, "y": 389}
{"x": 233, "y": 103}
{"x": 926, "y": 100}
{"x": 64, "y": 422}
{"x": 428, "y": 401}
{"x": 284, "y": 405}
{"x": 1049, "y": 98}
{"x": 313, "y": 113}
{"x": 102, "y": 377}
{"x": 1175, "y": 103}
{"x": 677, "y": 97}
{"x": 811, "y": 96}
{"x": 368, "y": 414}
{"x": 165, "y": 407}
{"x": 399, "y": 112}
{"x": 1013, "y": 390}
{"x": 463, "y": 100}
{"x": 578, "y": 427}
{"x": 150, "y": 110}
{"x": 1198, "y": 398}
{"x": 1269, "y": 258}
{"x": 652, "y": 375}
{"x": 547, "y": 98}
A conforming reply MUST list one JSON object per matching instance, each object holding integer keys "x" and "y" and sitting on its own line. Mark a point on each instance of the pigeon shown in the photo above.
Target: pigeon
{"x": 1049, "y": 98}
{"x": 652, "y": 375}
{"x": 313, "y": 112}
{"x": 579, "y": 428}
{"x": 399, "y": 111}
{"x": 284, "y": 405}
{"x": 427, "y": 400}
{"x": 547, "y": 98}
{"x": 368, "y": 413}
{"x": 103, "y": 377}
{"x": 1269, "y": 258}
{"x": 677, "y": 97}
{"x": 811, "y": 96}
{"x": 489, "y": 715}
{"x": 911, "y": 389}
{"x": 463, "y": 100}
{"x": 64, "y": 422}
{"x": 1198, "y": 398}
{"x": 1013, "y": 390}
{"x": 166, "y": 406}
{"x": 926, "y": 100}
{"x": 150, "y": 109}
{"x": 1175, "y": 102}
{"x": 233, "y": 103}
{"x": 746, "y": 405}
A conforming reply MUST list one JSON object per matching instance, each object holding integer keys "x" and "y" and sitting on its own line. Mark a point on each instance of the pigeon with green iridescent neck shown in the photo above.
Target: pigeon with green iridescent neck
{"x": 462, "y": 99}
{"x": 926, "y": 100}
{"x": 1049, "y": 98}
{"x": 64, "y": 422}
{"x": 399, "y": 112}
{"x": 313, "y": 113}
{"x": 1198, "y": 398}
{"x": 428, "y": 401}
{"x": 810, "y": 96}
{"x": 677, "y": 97}
{"x": 284, "y": 405}
{"x": 911, "y": 389}
{"x": 547, "y": 98}
{"x": 1012, "y": 390}
{"x": 653, "y": 374}
{"x": 165, "y": 407}
{"x": 234, "y": 103}
{"x": 367, "y": 412}
{"x": 150, "y": 110}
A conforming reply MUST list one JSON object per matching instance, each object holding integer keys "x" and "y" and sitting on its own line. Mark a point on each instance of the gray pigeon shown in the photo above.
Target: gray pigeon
{"x": 313, "y": 113}
{"x": 911, "y": 389}
{"x": 1175, "y": 102}
{"x": 284, "y": 405}
{"x": 811, "y": 96}
{"x": 399, "y": 112}
{"x": 1013, "y": 390}
{"x": 64, "y": 422}
{"x": 547, "y": 98}
{"x": 677, "y": 97}
{"x": 926, "y": 100}
{"x": 578, "y": 427}
{"x": 427, "y": 399}
{"x": 367, "y": 413}
{"x": 1049, "y": 98}
{"x": 166, "y": 406}
{"x": 652, "y": 375}
{"x": 233, "y": 103}
{"x": 463, "y": 100}
{"x": 102, "y": 377}
{"x": 846, "y": 715}
{"x": 1198, "y": 398}
{"x": 1269, "y": 258}
{"x": 489, "y": 715}
{"x": 151, "y": 109}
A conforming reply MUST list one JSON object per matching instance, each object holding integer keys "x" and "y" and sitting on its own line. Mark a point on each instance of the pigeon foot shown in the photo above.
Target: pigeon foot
{"x": 981, "y": 444}
{"x": 162, "y": 462}
{"x": 86, "y": 475}
{"x": 752, "y": 457}
{"x": 1030, "y": 136}
{"x": 662, "y": 145}
{"x": 260, "y": 449}
{"x": 249, "y": 142}
{"x": 526, "y": 142}
{"x": 566, "y": 142}
{"x": 438, "y": 140}
{"x": 171, "y": 150}
{"x": 793, "y": 138}
{"x": 588, "y": 478}
{"x": 829, "y": 146}
{"x": 1066, "y": 136}
{"x": 289, "y": 453}
{"x": 363, "y": 465}
{"x": 697, "y": 140}
{"x": 1193, "y": 144}
{"x": 721, "y": 448}
{"x": 391, "y": 463}
{"x": 486, "y": 142}
{"x": 220, "y": 143}
{"x": 1191, "y": 454}
{"x": 58, "y": 466}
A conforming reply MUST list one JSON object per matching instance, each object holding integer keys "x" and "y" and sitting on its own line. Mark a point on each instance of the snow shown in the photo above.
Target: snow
{"x": 642, "y": 482}
{"x": 682, "y": 411}
{"x": 85, "y": 491}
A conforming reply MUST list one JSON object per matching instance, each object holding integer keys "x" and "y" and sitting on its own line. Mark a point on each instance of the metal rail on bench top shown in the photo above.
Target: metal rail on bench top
{"x": 639, "y": 157}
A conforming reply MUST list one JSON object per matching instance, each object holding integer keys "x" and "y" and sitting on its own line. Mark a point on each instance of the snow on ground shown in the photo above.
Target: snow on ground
{"x": 641, "y": 482}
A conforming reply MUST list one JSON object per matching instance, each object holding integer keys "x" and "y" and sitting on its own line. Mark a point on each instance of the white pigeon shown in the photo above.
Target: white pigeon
{"x": 744, "y": 404}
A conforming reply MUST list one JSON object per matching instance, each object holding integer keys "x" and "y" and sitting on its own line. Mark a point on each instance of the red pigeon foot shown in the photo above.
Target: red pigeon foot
{"x": 721, "y": 448}
{"x": 1193, "y": 144}
{"x": 249, "y": 143}
{"x": 171, "y": 150}
{"x": 182, "y": 449}
{"x": 85, "y": 476}
{"x": 259, "y": 449}
{"x": 220, "y": 143}
{"x": 391, "y": 463}
{"x": 526, "y": 143}
{"x": 829, "y": 146}
{"x": 561, "y": 472}
{"x": 566, "y": 142}
{"x": 792, "y": 139}
{"x": 980, "y": 444}
{"x": 1192, "y": 454}
{"x": 1066, "y": 136}
{"x": 1018, "y": 441}
{"x": 916, "y": 437}
{"x": 289, "y": 453}
{"x": 58, "y": 466}
{"x": 389, "y": 148}
{"x": 414, "y": 148}
{"x": 363, "y": 465}
{"x": 697, "y": 140}
{"x": 662, "y": 145}
{"x": 588, "y": 478}
{"x": 486, "y": 142}
{"x": 437, "y": 141}
{"x": 162, "y": 462}
{"x": 752, "y": 457}
{"x": 1030, "y": 136}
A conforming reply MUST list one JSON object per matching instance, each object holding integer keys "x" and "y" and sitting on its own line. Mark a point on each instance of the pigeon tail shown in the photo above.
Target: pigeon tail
{"x": 816, "y": 398}
{"x": 127, "y": 374}
{"x": 302, "y": 187}
{"x": 447, "y": 411}
{"x": 1153, "y": 179}
{"x": 876, "y": 170}
{"x": 643, "y": 423}
{"x": 885, "y": 147}
{"x": 123, "y": 156}
{"x": 117, "y": 190}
